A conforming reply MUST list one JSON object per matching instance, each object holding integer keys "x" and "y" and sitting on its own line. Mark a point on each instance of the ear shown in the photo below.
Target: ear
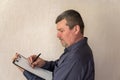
{"x": 76, "y": 29}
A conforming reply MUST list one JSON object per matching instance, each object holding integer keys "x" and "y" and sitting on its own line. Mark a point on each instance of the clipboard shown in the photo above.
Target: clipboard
{"x": 22, "y": 62}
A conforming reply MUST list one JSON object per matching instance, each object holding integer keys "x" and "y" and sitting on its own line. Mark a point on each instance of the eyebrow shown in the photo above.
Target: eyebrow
{"x": 60, "y": 29}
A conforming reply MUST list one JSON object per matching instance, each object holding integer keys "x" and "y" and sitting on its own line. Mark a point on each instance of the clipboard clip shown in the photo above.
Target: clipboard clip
{"x": 19, "y": 57}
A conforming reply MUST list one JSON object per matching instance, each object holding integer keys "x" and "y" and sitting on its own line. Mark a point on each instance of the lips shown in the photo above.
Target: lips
{"x": 60, "y": 39}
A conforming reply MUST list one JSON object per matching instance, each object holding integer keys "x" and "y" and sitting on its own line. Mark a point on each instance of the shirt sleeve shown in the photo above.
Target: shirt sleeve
{"x": 74, "y": 70}
{"x": 81, "y": 72}
{"x": 69, "y": 70}
{"x": 30, "y": 76}
{"x": 50, "y": 65}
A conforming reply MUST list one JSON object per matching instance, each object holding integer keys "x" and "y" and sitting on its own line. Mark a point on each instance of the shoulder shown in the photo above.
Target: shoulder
{"x": 82, "y": 55}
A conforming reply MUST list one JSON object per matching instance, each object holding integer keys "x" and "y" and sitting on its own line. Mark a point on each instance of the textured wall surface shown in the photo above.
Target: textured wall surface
{"x": 28, "y": 27}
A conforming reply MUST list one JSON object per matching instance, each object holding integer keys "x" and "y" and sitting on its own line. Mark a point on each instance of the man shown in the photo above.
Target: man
{"x": 76, "y": 63}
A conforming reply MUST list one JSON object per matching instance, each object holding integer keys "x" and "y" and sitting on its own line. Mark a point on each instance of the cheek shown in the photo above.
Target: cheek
{"x": 66, "y": 36}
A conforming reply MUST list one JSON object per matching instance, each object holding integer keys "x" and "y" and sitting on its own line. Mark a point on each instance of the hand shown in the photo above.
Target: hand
{"x": 39, "y": 62}
{"x": 14, "y": 58}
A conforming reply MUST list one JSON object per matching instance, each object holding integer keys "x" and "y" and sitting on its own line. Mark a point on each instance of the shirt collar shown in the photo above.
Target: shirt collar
{"x": 75, "y": 45}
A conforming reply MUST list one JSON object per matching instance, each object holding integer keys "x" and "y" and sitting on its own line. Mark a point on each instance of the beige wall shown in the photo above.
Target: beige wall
{"x": 27, "y": 27}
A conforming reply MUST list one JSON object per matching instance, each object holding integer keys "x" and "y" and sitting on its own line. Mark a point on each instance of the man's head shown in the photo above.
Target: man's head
{"x": 70, "y": 27}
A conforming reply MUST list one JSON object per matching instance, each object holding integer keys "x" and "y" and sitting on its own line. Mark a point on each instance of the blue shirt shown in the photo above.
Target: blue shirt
{"x": 76, "y": 63}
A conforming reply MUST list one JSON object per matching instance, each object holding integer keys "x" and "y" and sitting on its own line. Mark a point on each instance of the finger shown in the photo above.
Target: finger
{"x": 21, "y": 69}
{"x": 34, "y": 64}
{"x": 16, "y": 56}
{"x": 30, "y": 59}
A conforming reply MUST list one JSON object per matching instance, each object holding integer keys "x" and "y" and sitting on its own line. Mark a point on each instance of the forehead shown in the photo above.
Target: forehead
{"x": 62, "y": 24}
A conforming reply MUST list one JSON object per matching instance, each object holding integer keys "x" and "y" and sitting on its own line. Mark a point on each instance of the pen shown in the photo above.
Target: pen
{"x": 36, "y": 58}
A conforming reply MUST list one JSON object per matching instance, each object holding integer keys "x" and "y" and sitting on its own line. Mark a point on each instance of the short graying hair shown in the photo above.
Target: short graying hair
{"x": 73, "y": 18}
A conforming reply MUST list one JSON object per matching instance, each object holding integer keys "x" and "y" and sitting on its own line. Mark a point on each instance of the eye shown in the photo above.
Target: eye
{"x": 61, "y": 30}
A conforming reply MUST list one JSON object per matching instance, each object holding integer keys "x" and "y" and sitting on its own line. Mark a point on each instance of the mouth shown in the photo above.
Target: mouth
{"x": 60, "y": 39}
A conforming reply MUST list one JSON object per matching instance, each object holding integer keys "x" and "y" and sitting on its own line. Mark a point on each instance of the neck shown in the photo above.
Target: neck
{"x": 78, "y": 38}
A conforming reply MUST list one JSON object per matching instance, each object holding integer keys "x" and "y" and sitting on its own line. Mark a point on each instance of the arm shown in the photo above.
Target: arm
{"x": 40, "y": 62}
{"x": 73, "y": 69}
{"x": 50, "y": 65}
{"x": 81, "y": 72}
{"x": 31, "y": 76}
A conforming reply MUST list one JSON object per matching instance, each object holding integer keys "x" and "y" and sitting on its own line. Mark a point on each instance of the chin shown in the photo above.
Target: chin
{"x": 65, "y": 45}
